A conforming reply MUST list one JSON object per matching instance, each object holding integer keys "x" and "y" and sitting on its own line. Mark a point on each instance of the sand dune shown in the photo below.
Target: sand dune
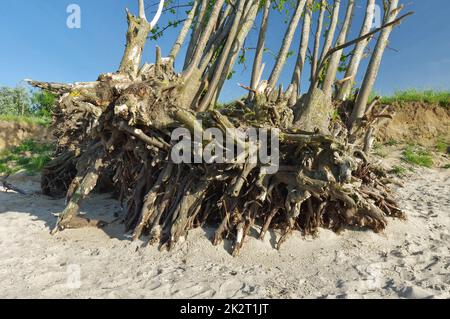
{"x": 409, "y": 260}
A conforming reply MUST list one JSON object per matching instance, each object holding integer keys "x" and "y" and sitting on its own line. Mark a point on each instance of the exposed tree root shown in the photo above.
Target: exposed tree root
{"x": 323, "y": 180}
{"x": 121, "y": 126}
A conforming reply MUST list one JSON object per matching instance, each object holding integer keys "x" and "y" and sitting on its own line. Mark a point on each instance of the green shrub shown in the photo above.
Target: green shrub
{"x": 417, "y": 156}
{"x": 43, "y": 103}
{"x": 426, "y": 96}
{"x": 442, "y": 146}
{"x": 42, "y": 120}
{"x": 398, "y": 170}
{"x": 391, "y": 142}
{"x": 30, "y": 157}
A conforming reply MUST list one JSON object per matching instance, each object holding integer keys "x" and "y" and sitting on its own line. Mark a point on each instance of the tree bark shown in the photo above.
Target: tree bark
{"x": 314, "y": 112}
{"x": 138, "y": 31}
{"x": 216, "y": 41}
{"x": 331, "y": 30}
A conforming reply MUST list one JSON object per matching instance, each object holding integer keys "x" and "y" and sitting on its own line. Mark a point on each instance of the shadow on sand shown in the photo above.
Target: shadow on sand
{"x": 96, "y": 206}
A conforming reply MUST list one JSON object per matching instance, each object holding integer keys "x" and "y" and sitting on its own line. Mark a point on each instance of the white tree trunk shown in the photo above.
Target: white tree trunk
{"x": 287, "y": 40}
{"x": 335, "y": 59}
{"x": 296, "y": 77}
{"x": 220, "y": 65}
{"x": 183, "y": 33}
{"x": 374, "y": 65}
{"x": 331, "y": 30}
{"x": 257, "y": 62}
{"x": 138, "y": 31}
{"x": 248, "y": 22}
{"x": 203, "y": 40}
{"x": 315, "y": 57}
{"x": 352, "y": 69}
{"x": 195, "y": 33}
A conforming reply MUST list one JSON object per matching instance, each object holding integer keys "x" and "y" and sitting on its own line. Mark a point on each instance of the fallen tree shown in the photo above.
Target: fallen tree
{"x": 121, "y": 126}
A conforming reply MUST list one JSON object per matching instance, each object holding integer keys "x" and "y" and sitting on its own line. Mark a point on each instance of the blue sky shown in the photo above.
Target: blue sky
{"x": 37, "y": 44}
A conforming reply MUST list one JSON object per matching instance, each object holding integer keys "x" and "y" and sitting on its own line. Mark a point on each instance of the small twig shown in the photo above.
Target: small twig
{"x": 339, "y": 82}
{"x": 245, "y": 87}
{"x": 372, "y": 105}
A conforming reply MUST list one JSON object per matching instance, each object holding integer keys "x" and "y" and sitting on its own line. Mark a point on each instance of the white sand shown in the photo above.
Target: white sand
{"x": 410, "y": 259}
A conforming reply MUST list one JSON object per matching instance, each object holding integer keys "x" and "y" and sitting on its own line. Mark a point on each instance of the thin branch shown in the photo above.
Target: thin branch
{"x": 160, "y": 33}
{"x": 158, "y": 14}
{"x": 142, "y": 10}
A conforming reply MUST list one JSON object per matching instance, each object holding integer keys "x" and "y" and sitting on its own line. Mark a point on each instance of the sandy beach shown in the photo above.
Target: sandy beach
{"x": 411, "y": 259}
{"x": 201, "y": 126}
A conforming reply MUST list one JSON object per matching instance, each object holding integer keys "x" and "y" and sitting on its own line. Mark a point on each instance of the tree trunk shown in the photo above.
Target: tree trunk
{"x": 335, "y": 59}
{"x": 220, "y": 65}
{"x": 248, "y": 22}
{"x": 301, "y": 57}
{"x": 209, "y": 28}
{"x": 138, "y": 31}
{"x": 331, "y": 30}
{"x": 257, "y": 62}
{"x": 184, "y": 32}
{"x": 315, "y": 57}
{"x": 314, "y": 112}
{"x": 217, "y": 41}
{"x": 195, "y": 35}
{"x": 287, "y": 40}
{"x": 358, "y": 52}
{"x": 374, "y": 65}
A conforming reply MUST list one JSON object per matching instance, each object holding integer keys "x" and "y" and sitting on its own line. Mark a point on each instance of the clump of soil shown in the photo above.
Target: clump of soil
{"x": 418, "y": 123}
